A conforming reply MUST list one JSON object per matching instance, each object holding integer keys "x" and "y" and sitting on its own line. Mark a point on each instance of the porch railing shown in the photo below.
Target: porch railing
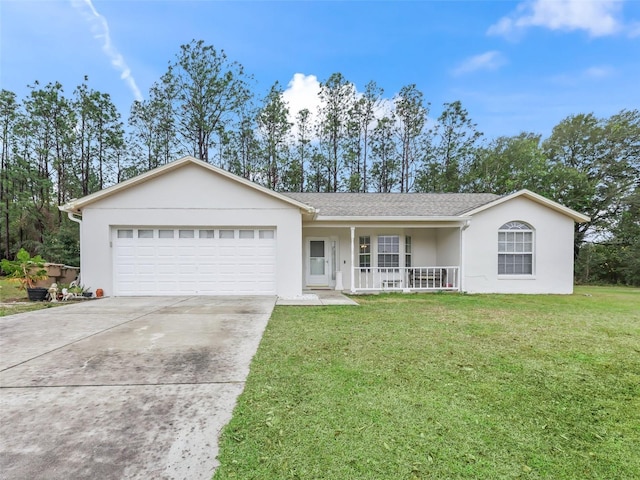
{"x": 407, "y": 278}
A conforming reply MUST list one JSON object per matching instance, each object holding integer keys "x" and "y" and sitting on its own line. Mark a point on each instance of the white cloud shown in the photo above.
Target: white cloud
{"x": 503, "y": 27}
{"x": 599, "y": 71}
{"x": 100, "y": 30}
{"x": 302, "y": 92}
{"x": 485, "y": 61}
{"x": 597, "y": 17}
{"x": 385, "y": 108}
{"x": 634, "y": 30}
{"x": 590, "y": 75}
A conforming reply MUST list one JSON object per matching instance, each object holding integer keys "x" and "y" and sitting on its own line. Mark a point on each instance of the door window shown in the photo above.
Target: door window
{"x": 316, "y": 257}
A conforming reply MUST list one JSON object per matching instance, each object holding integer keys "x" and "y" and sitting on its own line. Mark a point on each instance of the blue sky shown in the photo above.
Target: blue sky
{"x": 515, "y": 66}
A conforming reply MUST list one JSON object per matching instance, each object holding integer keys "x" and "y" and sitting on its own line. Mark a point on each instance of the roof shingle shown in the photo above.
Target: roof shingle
{"x": 343, "y": 204}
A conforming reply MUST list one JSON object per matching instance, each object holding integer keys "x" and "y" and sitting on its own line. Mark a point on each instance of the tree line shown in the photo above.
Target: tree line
{"x": 55, "y": 147}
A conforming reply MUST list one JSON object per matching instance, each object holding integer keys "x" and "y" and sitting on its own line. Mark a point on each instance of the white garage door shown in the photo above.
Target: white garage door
{"x": 194, "y": 261}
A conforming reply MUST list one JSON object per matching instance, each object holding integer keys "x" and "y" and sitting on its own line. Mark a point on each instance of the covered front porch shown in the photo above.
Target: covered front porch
{"x": 374, "y": 257}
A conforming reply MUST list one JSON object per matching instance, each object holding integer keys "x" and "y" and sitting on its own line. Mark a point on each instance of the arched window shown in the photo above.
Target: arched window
{"x": 515, "y": 249}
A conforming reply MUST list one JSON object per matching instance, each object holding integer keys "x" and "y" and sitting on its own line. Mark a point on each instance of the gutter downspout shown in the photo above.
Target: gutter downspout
{"x": 79, "y": 222}
{"x": 463, "y": 227}
{"x": 74, "y": 219}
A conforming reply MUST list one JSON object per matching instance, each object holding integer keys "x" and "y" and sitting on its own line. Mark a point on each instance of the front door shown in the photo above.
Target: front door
{"x": 317, "y": 262}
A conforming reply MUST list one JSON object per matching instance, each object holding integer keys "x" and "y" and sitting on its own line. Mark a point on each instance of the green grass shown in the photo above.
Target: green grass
{"x": 13, "y": 300}
{"x": 444, "y": 386}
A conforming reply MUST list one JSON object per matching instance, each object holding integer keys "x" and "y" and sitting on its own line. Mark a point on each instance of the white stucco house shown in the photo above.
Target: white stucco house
{"x": 189, "y": 228}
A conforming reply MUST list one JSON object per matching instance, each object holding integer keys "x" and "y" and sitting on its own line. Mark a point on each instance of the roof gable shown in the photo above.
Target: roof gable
{"x": 76, "y": 205}
{"x": 576, "y": 216}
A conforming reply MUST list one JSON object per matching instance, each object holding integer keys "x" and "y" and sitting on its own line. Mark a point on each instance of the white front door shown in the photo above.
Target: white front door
{"x": 318, "y": 262}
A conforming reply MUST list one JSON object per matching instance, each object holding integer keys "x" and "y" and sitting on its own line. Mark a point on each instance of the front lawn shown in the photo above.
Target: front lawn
{"x": 444, "y": 386}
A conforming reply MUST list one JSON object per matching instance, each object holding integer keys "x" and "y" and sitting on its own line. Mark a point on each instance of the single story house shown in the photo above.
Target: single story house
{"x": 190, "y": 228}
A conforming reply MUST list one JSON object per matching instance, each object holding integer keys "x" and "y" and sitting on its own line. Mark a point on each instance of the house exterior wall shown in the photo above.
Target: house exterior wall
{"x": 553, "y": 250}
{"x": 424, "y": 246}
{"x": 190, "y": 196}
{"x": 448, "y": 241}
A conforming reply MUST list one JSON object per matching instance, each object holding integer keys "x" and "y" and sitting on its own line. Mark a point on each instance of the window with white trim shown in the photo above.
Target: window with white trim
{"x": 364, "y": 255}
{"x": 388, "y": 251}
{"x": 515, "y": 249}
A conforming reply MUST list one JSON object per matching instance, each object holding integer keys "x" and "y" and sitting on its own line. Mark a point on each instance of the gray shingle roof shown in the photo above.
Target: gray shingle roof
{"x": 393, "y": 204}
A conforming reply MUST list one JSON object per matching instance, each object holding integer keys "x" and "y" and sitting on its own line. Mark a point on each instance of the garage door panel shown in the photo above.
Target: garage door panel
{"x": 265, "y": 270}
{"x": 186, "y": 273}
{"x": 227, "y": 277}
{"x": 126, "y": 262}
{"x": 146, "y": 251}
{"x": 195, "y": 262}
{"x": 188, "y": 288}
{"x": 246, "y": 271}
{"x": 207, "y": 269}
{"x": 263, "y": 263}
{"x": 167, "y": 288}
{"x": 127, "y": 285}
{"x": 226, "y": 267}
{"x": 128, "y": 268}
{"x": 206, "y": 251}
{"x": 166, "y": 279}
{"x": 125, "y": 250}
{"x": 166, "y": 269}
{"x": 245, "y": 262}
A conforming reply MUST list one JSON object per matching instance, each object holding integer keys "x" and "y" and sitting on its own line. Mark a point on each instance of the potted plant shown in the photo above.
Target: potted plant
{"x": 27, "y": 270}
{"x": 77, "y": 290}
{"x": 81, "y": 291}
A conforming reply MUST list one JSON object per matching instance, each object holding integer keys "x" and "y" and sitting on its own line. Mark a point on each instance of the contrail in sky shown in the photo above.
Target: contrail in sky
{"x": 100, "y": 29}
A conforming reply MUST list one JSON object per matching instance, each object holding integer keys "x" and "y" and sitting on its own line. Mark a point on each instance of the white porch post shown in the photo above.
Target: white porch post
{"x": 353, "y": 263}
{"x": 463, "y": 228}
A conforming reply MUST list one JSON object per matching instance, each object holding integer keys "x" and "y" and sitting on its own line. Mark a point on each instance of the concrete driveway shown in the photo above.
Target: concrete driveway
{"x": 124, "y": 387}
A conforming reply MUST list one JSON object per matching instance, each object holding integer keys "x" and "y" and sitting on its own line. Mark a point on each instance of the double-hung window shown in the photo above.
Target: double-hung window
{"x": 515, "y": 249}
{"x": 388, "y": 251}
